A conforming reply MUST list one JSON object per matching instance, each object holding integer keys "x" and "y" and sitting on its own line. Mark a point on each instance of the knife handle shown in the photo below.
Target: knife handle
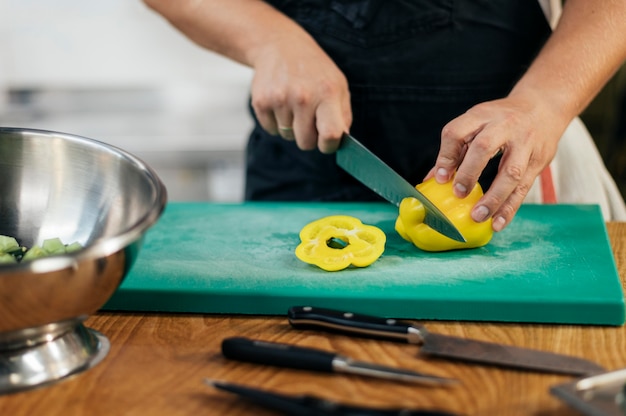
{"x": 276, "y": 354}
{"x": 308, "y": 317}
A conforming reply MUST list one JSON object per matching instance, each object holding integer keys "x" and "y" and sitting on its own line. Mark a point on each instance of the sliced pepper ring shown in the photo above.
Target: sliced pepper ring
{"x": 336, "y": 242}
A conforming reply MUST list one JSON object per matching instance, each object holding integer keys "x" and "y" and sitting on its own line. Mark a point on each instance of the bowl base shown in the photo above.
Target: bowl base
{"x": 48, "y": 362}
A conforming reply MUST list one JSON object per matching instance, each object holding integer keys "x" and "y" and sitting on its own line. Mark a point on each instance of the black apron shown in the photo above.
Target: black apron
{"x": 412, "y": 66}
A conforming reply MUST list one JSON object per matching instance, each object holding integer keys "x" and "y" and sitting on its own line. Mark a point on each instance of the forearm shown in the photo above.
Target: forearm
{"x": 238, "y": 29}
{"x": 297, "y": 90}
{"x": 585, "y": 50}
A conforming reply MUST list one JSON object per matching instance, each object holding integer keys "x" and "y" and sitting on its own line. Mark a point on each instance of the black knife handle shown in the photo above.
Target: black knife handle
{"x": 308, "y": 317}
{"x": 276, "y": 354}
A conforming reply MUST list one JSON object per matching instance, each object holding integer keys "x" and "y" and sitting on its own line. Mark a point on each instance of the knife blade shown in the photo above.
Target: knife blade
{"x": 368, "y": 168}
{"x": 308, "y": 405}
{"x": 439, "y": 345}
{"x": 304, "y": 358}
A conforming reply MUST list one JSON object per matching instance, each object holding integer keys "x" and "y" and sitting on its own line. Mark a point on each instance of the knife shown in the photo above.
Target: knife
{"x": 602, "y": 380}
{"x": 599, "y": 395}
{"x": 302, "y": 358}
{"x": 307, "y": 405}
{"x": 368, "y": 168}
{"x": 439, "y": 345}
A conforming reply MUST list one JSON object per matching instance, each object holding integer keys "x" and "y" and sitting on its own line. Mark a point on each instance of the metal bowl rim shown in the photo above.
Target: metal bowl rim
{"x": 101, "y": 247}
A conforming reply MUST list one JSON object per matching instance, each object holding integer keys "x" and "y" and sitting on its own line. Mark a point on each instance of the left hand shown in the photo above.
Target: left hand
{"x": 521, "y": 129}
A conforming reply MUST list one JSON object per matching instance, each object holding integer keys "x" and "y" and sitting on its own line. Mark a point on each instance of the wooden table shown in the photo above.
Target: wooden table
{"x": 157, "y": 362}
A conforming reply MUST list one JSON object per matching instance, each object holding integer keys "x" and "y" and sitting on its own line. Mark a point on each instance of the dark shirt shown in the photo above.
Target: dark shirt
{"x": 412, "y": 66}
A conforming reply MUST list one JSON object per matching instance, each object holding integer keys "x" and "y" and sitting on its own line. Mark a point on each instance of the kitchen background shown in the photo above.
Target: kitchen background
{"x": 117, "y": 72}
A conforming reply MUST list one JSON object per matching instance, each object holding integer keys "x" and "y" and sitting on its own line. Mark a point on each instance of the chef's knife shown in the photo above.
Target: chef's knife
{"x": 306, "y": 405}
{"x": 368, "y": 168}
{"x": 303, "y": 358}
{"x": 439, "y": 345}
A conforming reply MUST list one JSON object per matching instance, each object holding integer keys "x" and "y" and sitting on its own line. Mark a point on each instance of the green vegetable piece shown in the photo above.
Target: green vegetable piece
{"x": 7, "y": 259}
{"x": 53, "y": 246}
{"x": 75, "y": 246}
{"x": 12, "y": 252}
{"x": 35, "y": 252}
{"x": 18, "y": 251}
{"x": 8, "y": 244}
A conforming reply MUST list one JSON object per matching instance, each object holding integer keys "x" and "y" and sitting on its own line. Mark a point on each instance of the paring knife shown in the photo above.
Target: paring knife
{"x": 368, "y": 168}
{"x": 307, "y": 405}
{"x": 302, "y": 358}
{"x": 439, "y": 345}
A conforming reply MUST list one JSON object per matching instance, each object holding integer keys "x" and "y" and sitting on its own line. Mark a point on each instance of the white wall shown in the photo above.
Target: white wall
{"x": 115, "y": 71}
{"x": 120, "y": 44}
{"x": 104, "y": 43}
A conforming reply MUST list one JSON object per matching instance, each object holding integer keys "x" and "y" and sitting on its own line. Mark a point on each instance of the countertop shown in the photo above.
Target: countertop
{"x": 157, "y": 363}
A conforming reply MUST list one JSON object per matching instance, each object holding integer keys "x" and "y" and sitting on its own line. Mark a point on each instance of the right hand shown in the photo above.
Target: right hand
{"x": 299, "y": 93}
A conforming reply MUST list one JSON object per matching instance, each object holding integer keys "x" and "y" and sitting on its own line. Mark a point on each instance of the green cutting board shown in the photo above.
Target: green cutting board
{"x": 552, "y": 264}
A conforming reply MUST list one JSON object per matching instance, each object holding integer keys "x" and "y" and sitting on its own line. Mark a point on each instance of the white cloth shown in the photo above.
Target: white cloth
{"x": 578, "y": 171}
{"x": 580, "y": 176}
{"x": 552, "y": 10}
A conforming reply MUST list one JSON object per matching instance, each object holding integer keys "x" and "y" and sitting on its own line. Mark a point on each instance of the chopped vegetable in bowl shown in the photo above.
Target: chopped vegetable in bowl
{"x": 11, "y": 252}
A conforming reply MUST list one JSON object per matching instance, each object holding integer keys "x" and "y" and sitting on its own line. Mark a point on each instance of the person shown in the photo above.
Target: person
{"x": 466, "y": 91}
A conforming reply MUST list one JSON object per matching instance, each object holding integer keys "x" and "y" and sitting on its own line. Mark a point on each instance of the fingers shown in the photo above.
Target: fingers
{"x": 284, "y": 122}
{"x": 471, "y": 140}
{"x": 273, "y": 112}
{"x": 304, "y": 106}
{"x": 308, "y": 104}
{"x": 311, "y": 126}
{"x": 333, "y": 119}
{"x": 516, "y": 175}
{"x": 455, "y": 138}
{"x": 286, "y": 132}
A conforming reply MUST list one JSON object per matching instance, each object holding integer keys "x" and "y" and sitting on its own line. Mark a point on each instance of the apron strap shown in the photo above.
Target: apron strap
{"x": 548, "y": 193}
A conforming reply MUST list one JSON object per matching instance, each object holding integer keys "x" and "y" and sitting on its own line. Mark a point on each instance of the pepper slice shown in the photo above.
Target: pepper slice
{"x": 410, "y": 222}
{"x": 334, "y": 243}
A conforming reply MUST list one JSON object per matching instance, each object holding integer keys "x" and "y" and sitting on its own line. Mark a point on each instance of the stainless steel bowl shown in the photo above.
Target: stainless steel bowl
{"x": 55, "y": 185}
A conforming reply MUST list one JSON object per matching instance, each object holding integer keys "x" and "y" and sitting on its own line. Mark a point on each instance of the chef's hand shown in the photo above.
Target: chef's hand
{"x": 517, "y": 127}
{"x": 297, "y": 90}
{"x": 583, "y": 52}
{"x": 299, "y": 93}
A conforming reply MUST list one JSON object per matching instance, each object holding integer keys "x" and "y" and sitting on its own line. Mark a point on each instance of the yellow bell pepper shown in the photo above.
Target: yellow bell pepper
{"x": 410, "y": 222}
{"x": 334, "y": 243}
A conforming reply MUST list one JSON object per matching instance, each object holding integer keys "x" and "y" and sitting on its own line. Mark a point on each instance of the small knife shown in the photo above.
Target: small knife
{"x": 368, "y": 168}
{"x": 301, "y": 358}
{"x": 306, "y": 405}
{"x": 439, "y": 345}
